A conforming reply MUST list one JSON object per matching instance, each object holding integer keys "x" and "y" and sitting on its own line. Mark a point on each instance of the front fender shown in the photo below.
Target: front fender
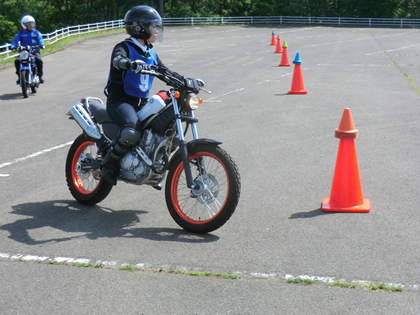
{"x": 206, "y": 141}
{"x": 192, "y": 144}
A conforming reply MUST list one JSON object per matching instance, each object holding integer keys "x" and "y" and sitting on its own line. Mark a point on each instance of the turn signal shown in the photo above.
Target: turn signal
{"x": 176, "y": 94}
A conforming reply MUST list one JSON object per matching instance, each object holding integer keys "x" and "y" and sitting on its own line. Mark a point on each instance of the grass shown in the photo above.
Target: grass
{"x": 370, "y": 286}
{"x": 303, "y": 281}
{"x": 182, "y": 272}
{"x": 413, "y": 84}
{"x": 130, "y": 268}
{"x": 62, "y": 43}
{"x": 383, "y": 287}
{"x": 341, "y": 284}
{"x": 55, "y": 262}
{"x": 87, "y": 265}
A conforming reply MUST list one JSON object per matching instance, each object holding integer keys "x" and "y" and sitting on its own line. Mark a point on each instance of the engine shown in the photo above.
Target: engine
{"x": 135, "y": 170}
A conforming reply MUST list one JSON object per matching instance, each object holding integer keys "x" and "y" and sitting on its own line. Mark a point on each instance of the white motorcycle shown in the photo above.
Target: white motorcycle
{"x": 202, "y": 181}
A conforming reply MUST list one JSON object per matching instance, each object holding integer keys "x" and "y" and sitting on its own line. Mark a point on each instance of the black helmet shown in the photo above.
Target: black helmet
{"x": 138, "y": 19}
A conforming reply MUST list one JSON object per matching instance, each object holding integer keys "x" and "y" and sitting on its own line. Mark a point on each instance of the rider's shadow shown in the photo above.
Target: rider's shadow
{"x": 11, "y": 96}
{"x": 91, "y": 222}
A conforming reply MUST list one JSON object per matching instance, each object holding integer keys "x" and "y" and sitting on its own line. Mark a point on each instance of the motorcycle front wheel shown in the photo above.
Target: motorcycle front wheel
{"x": 213, "y": 201}
{"x": 34, "y": 88}
{"x": 87, "y": 186}
{"x": 25, "y": 84}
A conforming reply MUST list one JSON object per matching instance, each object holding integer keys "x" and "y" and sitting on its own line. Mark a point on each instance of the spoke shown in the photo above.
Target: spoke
{"x": 86, "y": 179}
{"x": 209, "y": 210}
{"x": 216, "y": 201}
{"x": 210, "y": 172}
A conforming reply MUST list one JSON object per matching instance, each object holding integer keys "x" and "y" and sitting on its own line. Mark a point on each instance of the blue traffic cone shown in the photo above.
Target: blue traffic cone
{"x": 273, "y": 39}
{"x": 297, "y": 81}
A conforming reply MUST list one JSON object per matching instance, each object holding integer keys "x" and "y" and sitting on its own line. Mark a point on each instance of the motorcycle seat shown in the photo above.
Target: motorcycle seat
{"x": 99, "y": 111}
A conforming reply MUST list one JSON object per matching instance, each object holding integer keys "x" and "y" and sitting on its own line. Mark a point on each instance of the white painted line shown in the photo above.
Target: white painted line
{"x": 213, "y": 99}
{"x": 34, "y": 258}
{"x": 259, "y": 275}
{"x": 63, "y": 259}
{"x": 378, "y": 52}
{"x": 234, "y": 91}
{"x": 299, "y": 30}
{"x": 30, "y": 156}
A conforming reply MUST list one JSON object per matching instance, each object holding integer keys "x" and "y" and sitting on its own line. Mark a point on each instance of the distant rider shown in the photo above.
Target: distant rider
{"x": 29, "y": 36}
{"x": 127, "y": 89}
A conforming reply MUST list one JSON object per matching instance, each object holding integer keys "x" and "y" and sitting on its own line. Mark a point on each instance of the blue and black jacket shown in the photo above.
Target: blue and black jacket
{"x": 27, "y": 38}
{"x": 128, "y": 86}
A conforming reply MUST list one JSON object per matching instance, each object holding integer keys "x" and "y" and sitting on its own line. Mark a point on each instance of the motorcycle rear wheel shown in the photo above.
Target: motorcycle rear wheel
{"x": 210, "y": 206}
{"x": 87, "y": 186}
{"x": 25, "y": 83}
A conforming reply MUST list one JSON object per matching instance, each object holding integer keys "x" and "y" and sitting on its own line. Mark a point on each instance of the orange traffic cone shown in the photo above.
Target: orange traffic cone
{"x": 297, "y": 81}
{"x": 346, "y": 191}
{"x": 273, "y": 39}
{"x": 278, "y": 48}
{"x": 284, "y": 57}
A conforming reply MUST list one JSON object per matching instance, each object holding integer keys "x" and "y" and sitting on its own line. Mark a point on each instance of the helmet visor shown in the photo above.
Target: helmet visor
{"x": 156, "y": 32}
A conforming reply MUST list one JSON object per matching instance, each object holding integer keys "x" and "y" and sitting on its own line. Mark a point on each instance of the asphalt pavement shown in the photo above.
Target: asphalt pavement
{"x": 285, "y": 149}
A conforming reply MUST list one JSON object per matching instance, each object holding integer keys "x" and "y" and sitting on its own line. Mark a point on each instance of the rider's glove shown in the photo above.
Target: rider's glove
{"x": 42, "y": 47}
{"x": 200, "y": 82}
{"x": 13, "y": 48}
{"x": 28, "y": 48}
{"x": 137, "y": 66}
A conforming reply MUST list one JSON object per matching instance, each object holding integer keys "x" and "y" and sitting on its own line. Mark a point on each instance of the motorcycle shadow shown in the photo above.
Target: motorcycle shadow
{"x": 91, "y": 222}
{"x": 11, "y": 96}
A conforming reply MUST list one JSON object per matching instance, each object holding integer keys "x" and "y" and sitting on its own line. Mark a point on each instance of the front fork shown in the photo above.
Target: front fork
{"x": 29, "y": 66}
{"x": 28, "y": 73}
{"x": 183, "y": 143}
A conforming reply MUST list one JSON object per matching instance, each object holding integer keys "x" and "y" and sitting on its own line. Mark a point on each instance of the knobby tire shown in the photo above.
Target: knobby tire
{"x": 86, "y": 186}
{"x": 212, "y": 208}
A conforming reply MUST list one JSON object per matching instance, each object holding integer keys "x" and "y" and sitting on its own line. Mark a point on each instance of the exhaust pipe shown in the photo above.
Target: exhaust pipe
{"x": 83, "y": 119}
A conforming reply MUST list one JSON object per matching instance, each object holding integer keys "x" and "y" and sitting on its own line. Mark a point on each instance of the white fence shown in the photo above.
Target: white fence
{"x": 67, "y": 32}
{"x": 302, "y": 20}
{"x": 282, "y": 20}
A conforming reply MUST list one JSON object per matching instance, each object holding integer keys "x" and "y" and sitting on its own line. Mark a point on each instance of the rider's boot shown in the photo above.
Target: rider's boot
{"x": 18, "y": 80}
{"x": 41, "y": 79}
{"x": 109, "y": 167}
{"x": 125, "y": 140}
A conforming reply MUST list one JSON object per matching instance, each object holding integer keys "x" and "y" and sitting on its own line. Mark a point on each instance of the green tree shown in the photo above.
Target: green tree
{"x": 262, "y": 8}
{"x": 53, "y": 15}
{"x": 8, "y": 30}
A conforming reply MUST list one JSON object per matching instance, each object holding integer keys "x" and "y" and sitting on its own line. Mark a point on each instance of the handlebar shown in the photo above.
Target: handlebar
{"x": 28, "y": 48}
{"x": 169, "y": 79}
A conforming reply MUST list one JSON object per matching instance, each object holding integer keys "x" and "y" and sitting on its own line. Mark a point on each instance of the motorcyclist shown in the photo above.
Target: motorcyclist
{"x": 29, "y": 36}
{"x": 127, "y": 89}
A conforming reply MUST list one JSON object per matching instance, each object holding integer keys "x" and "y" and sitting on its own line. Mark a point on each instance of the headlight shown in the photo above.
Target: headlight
{"x": 23, "y": 55}
{"x": 194, "y": 101}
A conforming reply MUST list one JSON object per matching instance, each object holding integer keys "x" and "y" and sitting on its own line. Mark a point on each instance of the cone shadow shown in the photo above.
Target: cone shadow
{"x": 309, "y": 214}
